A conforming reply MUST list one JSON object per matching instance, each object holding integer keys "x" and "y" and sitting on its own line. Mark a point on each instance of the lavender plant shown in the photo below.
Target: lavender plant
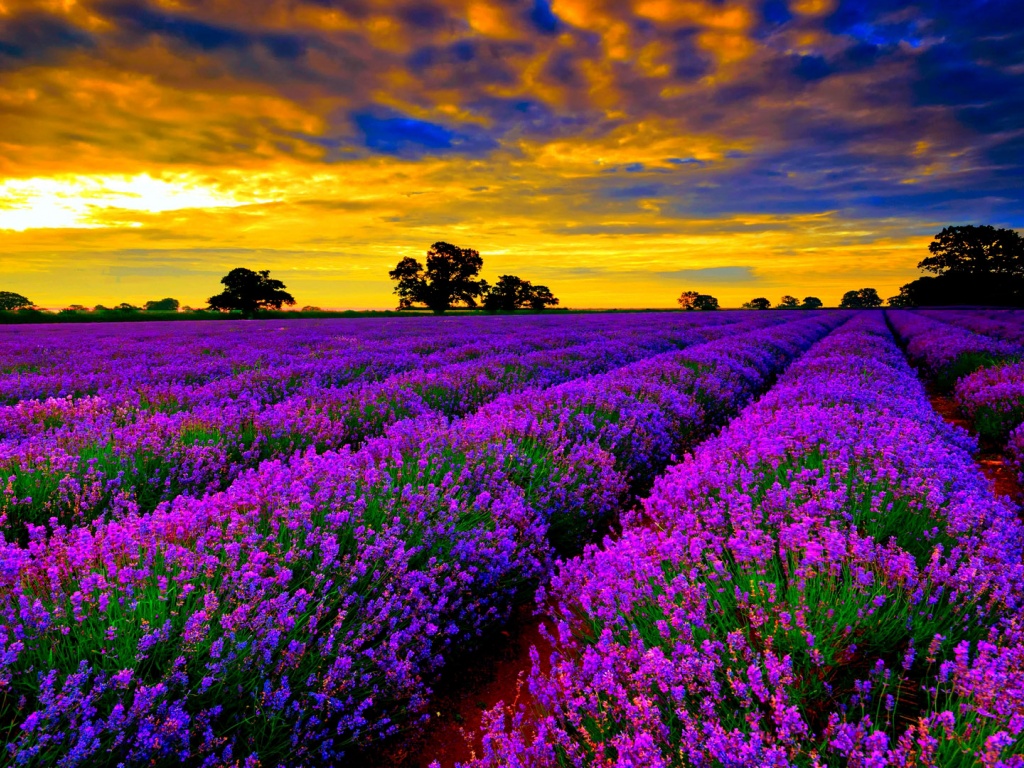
{"x": 829, "y": 581}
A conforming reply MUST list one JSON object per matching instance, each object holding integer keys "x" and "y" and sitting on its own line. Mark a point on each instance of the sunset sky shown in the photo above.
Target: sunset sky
{"x": 619, "y": 152}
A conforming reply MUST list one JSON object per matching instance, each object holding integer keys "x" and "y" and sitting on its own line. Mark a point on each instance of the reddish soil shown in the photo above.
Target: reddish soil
{"x": 990, "y": 458}
{"x": 496, "y": 673}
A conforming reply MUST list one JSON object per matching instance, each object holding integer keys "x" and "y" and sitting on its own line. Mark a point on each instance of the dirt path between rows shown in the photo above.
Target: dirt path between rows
{"x": 990, "y": 458}
{"x": 471, "y": 686}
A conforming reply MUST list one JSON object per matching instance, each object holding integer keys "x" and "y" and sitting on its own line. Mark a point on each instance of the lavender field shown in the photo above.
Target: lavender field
{"x": 749, "y": 538}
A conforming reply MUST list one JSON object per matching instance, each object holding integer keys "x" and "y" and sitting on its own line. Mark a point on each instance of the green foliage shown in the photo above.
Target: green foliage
{"x": 163, "y": 305}
{"x": 964, "y": 364}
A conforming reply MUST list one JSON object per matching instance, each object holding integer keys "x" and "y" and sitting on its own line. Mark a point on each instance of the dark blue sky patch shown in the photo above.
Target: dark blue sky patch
{"x": 689, "y": 61}
{"x": 776, "y": 12}
{"x": 562, "y": 67}
{"x": 282, "y": 46}
{"x": 141, "y": 18}
{"x": 408, "y": 137}
{"x": 426, "y": 16}
{"x": 635, "y": 192}
{"x": 31, "y": 38}
{"x": 811, "y": 68}
{"x": 543, "y": 18}
{"x": 946, "y": 77}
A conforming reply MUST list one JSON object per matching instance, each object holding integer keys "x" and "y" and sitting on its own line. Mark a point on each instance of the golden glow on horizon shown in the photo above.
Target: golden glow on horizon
{"x": 86, "y": 202}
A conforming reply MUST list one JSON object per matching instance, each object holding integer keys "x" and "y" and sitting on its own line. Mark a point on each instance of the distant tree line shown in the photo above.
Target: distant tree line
{"x": 449, "y": 279}
{"x": 973, "y": 265}
{"x": 692, "y": 300}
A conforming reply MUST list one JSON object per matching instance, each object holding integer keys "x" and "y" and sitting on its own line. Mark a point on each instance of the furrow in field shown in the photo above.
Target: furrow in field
{"x": 655, "y": 422}
{"x": 976, "y": 378}
{"x": 828, "y": 580}
{"x": 1001, "y": 324}
{"x": 314, "y": 602}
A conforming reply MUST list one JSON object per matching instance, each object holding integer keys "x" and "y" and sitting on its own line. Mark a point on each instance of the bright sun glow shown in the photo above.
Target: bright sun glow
{"x": 87, "y": 202}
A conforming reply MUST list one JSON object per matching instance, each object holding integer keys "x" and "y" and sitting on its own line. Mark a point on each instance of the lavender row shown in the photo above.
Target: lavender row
{"x": 1007, "y": 325}
{"x": 971, "y": 353}
{"x": 830, "y": 581}
{"x": 91, "y": 459}
{"x": 1015, "y": 452}
{"x": 156, "y": 366}
{"x": 993, "y": 399}
{"x": 947, "y": 352}
{"x": 304, "y": 612}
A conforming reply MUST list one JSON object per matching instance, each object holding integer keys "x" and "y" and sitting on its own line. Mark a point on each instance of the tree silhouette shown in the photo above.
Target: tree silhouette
{"x": 902, "y": 299}
{"x": 508, "y": 294}
{"x": 512, "y": 292}
{"x": 10, "y": 301}
{"x": 447, "y": 279}
{"x": 865, "y": 298}
{"x": 248, "y": 292}
{"x": 978, "y": 265}
{"x": 789, "y": 302}
{"x": 691, "y": 300}
{"x": 759, "y": 303}
{"x": 541, "y": 297}
{"x": 811, "y": 302}
{"x": 163, "y": 305}
{"x": 973, "y": 250}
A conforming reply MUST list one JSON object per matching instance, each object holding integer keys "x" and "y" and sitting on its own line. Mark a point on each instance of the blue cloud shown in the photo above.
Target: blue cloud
{"x": 543, "y": 18}
{"x": 141, "y": 18}
{"x": 31, "y": 38}
{"x": 811, "y": 68}
{"x": 635, "y": 192}
{"x": 406, "y": 136}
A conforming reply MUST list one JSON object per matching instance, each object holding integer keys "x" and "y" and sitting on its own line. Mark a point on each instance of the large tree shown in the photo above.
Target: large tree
{"x": 788, "y": 302}
{"x": 978, "y": 265}
{"x": 759, "y": 303}
{"x": 974, "y": 250}
{"x": 448, "y": 279}
{"x": 865, "y": 298}
{"x": 10, "y": 301}
{"x": 248, "y": 292}
{"x": 692, "y": 300}
{"x": 811, "y": 302}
